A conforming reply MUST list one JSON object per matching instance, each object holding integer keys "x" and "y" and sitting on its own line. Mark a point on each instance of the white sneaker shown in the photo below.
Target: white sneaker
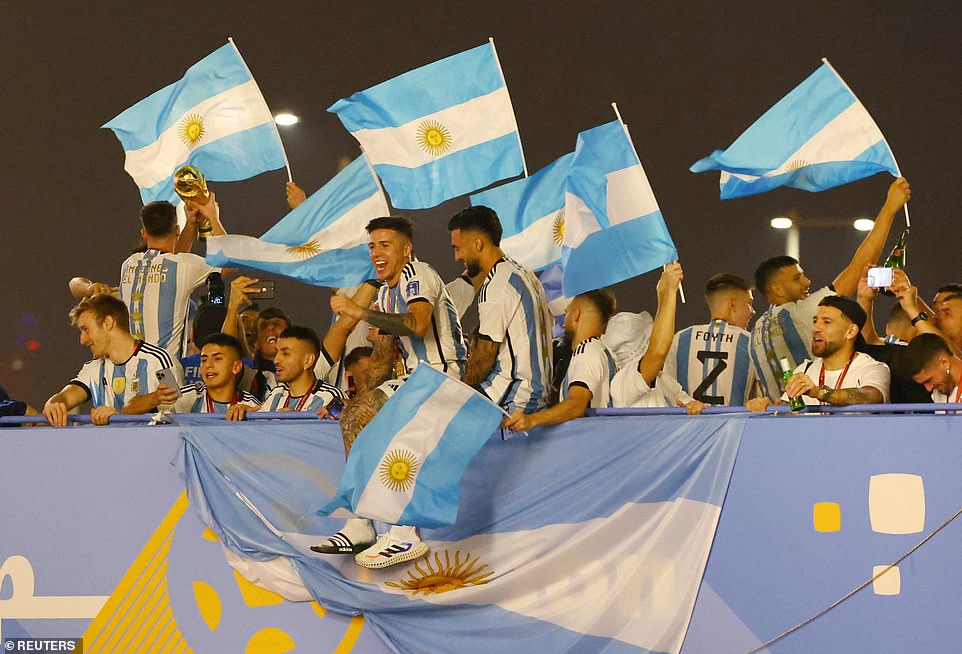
{"x": 357, "y": 535}
{"x": 399, "y": 544}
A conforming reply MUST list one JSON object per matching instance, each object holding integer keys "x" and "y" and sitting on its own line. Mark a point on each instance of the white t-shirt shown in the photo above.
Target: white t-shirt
{"x": 712, "y": 363}
{"x": 629, "y": 389}
{"x": 939, "y": 398}
{"x": 280, "y": 398}
{"x": 442, "y": 346}
{"x": 156, "y": 287}
{"x": 592, "y": 366}
{"x": 784, "y": 331}
{"x": 107, "y": 384}
{"x": 512, "y": 311}
{"x": 864, "y": 371}
{"x": 193, "y": 399}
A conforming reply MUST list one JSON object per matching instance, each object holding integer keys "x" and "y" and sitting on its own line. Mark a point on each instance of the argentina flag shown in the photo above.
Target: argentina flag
{"x": 214, "y": 118}
{"x": 439, "y": 131}
{"x": 614, "y": 229}
{"x": 590, "y": 536}
{"x": 405, "y": 467}
{"x": 817, "y": 137}
{"x": 322, "y": 242}
{"x": 532, "y": 214}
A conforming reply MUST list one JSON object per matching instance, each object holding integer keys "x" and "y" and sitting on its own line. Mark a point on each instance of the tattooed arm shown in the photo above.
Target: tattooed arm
{"x": 849, "y": 396}
{"x": 358, "y": 412}
{"x": 415, "y": 322}
{"x": 483, "y": 356}
{"x": 382, "y": 361}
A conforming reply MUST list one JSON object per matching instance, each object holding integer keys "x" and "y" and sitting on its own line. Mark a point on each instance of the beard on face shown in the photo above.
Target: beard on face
{"x": 825, "y": 349}
{"x": 473, "y": 269}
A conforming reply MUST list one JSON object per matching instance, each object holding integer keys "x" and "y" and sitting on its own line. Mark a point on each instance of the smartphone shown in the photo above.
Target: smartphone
{"x": 167, "y": 377}
{"x": 263, "y": 291}
{"x": 879, "y": 277}
{"x": 334, "y": 408}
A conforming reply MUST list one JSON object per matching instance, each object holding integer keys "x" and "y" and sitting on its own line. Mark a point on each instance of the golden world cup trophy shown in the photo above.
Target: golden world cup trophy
{"x": 191, "y": 186}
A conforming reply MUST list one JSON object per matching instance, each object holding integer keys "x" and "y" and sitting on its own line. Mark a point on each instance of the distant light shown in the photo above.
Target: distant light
{"x": 17, "y": 365}
{"x": 33, "y": 345}
{"x": 781, "y": 223}
{"x": 863, "y": 224}
{"x": 286, "y": 119}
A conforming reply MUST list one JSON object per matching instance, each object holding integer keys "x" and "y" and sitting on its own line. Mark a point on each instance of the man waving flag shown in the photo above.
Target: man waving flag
{"x": 817, "y": 137}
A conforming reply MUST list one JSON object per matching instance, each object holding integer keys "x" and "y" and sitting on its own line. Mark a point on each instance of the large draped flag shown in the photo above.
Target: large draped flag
{"x": 614, "y": 229}
{"x": 322, "y": 242}
{"x": 214, "y": 118}
{"x": 439, "y": 131}
{"x": 591, "y": 536}
{"x": 817, "y": 137}
{"x": 532, "y": 214}
{"x": 406, "y": 465}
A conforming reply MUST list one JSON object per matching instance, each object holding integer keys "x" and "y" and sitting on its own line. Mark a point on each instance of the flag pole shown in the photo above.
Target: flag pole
{"x": 614, "y": 105}
{"x": 514, "y": 116}
{"x": 898, "y": 170}
{"x": 287, "y": 164}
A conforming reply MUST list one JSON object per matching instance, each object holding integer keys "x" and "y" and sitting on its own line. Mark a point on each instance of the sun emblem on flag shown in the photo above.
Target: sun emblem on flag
{"x": 398, "y": 469}
{"x": 558, "y": 229}
{"x": 795, "y": 164}
{"x": 434, "y": 138}
{"x": 191, "y": 129}
{"x": 305, "y": 251}
{"x": 441, "y": 577}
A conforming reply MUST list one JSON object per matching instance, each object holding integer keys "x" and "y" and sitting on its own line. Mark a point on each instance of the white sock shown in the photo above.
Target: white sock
{"x": 402, "y": 532}
{"x": 358, "y": 530}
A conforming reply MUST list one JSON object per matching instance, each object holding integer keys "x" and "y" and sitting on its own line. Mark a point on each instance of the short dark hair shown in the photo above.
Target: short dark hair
{"x": 357, "y": 354}
{"x": 303, "y": 334}
{"x": 479, "y": 219}
{"x": 159, "y": 218}
{"x": 767, "y": 269}
{"x": 103, "y": 305}
{"x": 603, "y": 300}
{"x": 224, "y": 340}
{"x": 953, "y": 296}
{"x": 273, "y": 312}
{"x": 399, "y": 224}
{"x": 949, "y": 288}
{"x": 726, "y": 282}
{"x": 921, "y": 351}
{"x": 898, "y": 314}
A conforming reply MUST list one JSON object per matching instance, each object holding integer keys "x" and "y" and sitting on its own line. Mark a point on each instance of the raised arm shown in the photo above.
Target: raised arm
{"x": 239, "y": 288}
{"x": 81, "y": 287}
{"x": 871, "y": 248}
{"x": 866, "y": 299}
{"x": 663, "y": 327}
{"x": 336, "y": 337}
{"x": 415, "y": 322}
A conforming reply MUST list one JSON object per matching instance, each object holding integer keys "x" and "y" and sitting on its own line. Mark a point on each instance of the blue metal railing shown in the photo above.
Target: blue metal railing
{"x": 82, "y": 419}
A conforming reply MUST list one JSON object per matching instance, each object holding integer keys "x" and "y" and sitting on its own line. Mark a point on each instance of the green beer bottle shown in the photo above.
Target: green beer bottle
{"x": 897, "y": 257}
{"x": 796, "y": 403}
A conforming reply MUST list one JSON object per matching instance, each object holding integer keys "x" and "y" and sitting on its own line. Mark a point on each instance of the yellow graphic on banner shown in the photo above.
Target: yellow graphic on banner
{"x": 438, "y": 577}
{"x": 397, "y": 470}
{"x": 191, "y": 129}
{"x": 137, "y": 617}
{"x": 558, "y": 229}
{"x": 305, "y": 251}
{"x": 434, "y": 138}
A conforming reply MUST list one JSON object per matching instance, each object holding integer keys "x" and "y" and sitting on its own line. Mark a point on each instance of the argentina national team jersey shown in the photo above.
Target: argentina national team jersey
{"x": 321, "y": 395}
{"x": 442, "y": 346}
{"x": 713, "y": 363}
{"x": 512, "y": 311}
{"x": 784, "y": 331}
{"x": 113, "y": 385}
{"x": 156, "y": 287}
{"x": 591, "y": 367}
{"x": 193, "y": 399}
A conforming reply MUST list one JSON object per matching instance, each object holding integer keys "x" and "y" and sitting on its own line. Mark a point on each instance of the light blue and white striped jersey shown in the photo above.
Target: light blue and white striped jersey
{"x": 193, "y": 399}
{"x": 713, "y": 363}
{"x": 156, "y": 287}
{"x": 592, "y": 367}
{"x": 513, "y": 312}
{"x": 113, "y": 385}
{"x": 443, "y": 344}
{"x": 784, "y": 331}
{"x": 280, "y": 398}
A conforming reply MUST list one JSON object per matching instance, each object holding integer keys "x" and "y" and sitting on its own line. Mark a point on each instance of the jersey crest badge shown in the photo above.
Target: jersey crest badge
{"x": 119, "y": 385}
{"x": 413, "y": 288}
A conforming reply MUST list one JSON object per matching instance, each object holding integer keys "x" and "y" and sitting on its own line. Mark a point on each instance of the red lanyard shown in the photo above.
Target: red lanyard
{"x": 305, "y": 398}
{"x": 838, "y": 383}
{"x": 210, "y": 402}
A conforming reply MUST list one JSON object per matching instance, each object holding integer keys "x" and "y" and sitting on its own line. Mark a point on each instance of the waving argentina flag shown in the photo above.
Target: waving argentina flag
{"x": 214, "y": 118}
{"x": 322, "y": 242}
{"x": 817, "y": 137}
{"x": 439, "y": 131}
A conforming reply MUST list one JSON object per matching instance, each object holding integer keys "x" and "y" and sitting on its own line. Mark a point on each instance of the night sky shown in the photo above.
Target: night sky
{"x": 688, "y": 78}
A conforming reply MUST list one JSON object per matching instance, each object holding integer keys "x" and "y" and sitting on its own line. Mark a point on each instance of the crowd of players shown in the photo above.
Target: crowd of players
{"x": 492, "y": 329}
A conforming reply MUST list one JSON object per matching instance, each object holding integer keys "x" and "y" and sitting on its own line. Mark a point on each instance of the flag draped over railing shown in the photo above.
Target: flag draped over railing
{"x": 214, "y": 118}
{"x": 817, "y": 137}
{"x": 322, "y": 242}
{"x": 439, "y": 131}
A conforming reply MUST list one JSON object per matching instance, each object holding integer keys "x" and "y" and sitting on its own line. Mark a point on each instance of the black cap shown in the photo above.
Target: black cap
{"x": 850, "y": 308}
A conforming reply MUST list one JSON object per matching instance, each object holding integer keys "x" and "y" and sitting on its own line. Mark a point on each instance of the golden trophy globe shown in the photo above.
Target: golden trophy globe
{"x": 191, "y": 185}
